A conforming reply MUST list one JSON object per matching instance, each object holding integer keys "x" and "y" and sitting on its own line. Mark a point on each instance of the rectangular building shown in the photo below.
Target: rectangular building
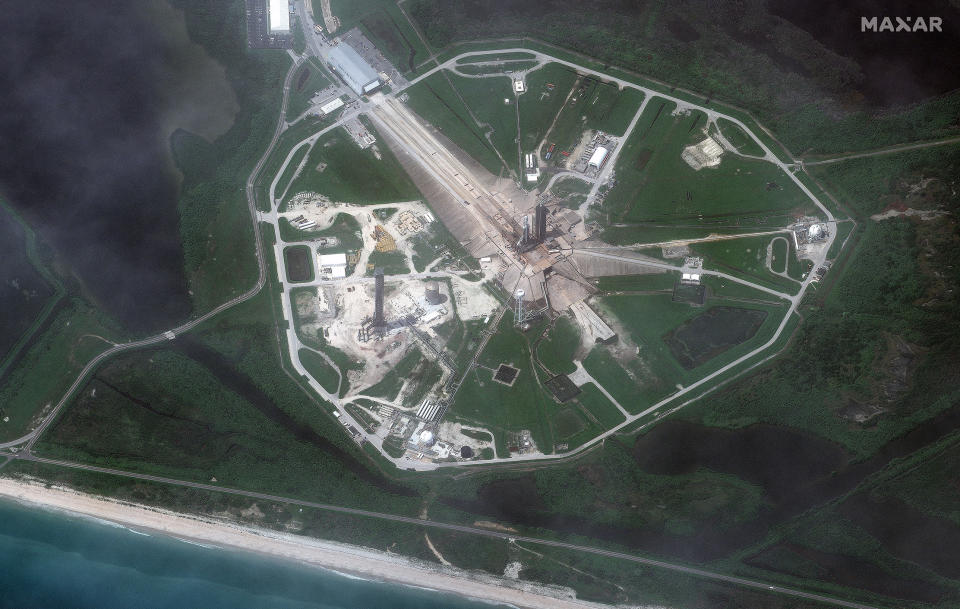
{"x": 353, "y": 69}
{"x": 334, "y": 104}
{"x": 332, "y": 266}
{"x": 279, "y": 16}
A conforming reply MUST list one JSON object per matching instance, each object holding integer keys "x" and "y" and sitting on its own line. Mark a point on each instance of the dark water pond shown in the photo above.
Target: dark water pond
{"x": 91, "y": 94}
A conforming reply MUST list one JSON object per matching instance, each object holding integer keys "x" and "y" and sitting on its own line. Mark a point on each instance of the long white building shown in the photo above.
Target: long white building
{"x": 279, "y": 16}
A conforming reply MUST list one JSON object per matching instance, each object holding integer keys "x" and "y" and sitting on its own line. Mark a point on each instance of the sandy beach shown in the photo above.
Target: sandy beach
{"x": 353, "y": 560}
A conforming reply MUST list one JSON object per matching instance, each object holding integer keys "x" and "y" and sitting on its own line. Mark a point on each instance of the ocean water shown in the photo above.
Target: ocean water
{"x": 54, "y": 560}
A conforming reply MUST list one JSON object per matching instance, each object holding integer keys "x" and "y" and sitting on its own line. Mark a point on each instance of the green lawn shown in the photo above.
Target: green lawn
{"x": 524, "y": 405}
{"x": 653, "y": 373}
{"x": 616, "y": 117}
{"x": 392, "y": 263}
{"x": 320, "y": 370}
{"x": 540, "y": 105}
{"x": 352, "y": 174}
{"x": 605, "y": 412}
{"x": 558, "y": 347}
{"x": 778, "y": 260}
{"x": 745, "y": 257}
{"x": 739, "y": 138}
{"x": 654, "y": 184}
{"x": 485, "y": 97}
{"x": 438, "y": 103}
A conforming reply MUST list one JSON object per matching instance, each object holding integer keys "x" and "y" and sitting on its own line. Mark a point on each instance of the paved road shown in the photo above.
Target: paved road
{"x": 675, "y": 567}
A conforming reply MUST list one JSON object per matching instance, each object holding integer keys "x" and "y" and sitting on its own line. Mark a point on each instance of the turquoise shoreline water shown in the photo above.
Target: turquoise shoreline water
{"x": 56, "y": 560}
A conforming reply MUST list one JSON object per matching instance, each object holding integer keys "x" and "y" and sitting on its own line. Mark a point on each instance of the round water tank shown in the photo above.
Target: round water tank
{"x": 426, "y": 437}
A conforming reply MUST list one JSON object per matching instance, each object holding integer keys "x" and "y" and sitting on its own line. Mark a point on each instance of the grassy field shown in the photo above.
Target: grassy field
{"x": 746, "y": 258}
{"x": 739, "y": 138}
{"x": 654, "y": 372}
{"x": 600, "y": 408}
{"x": 488, "y": 57}
{"x": 320, "y": 370}
{"x": 654, "y": 184}
{"x": 438, "y": 103}
{"x": 778, "y": 259}
{"x": 540, "y": 104}
{"x": 614, "y": 118}
{"x": 310, "y": 78}
{"x": 485, "y": 97}
{"x": 352, "y": 174}
{"x": 637, "y": 283}
{"x": 502, "y": 409}
{"x": 557, "y": 349}
{"x": 392, "y": 263}
{"x": 505, "y": 67}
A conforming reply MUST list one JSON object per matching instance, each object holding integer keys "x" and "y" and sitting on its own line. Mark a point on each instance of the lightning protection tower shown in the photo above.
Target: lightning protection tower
{"x": 518, "y": 311}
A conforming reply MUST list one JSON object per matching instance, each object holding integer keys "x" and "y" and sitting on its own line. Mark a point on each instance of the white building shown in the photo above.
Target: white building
{"x": 279, "y": 16}
{"x": 353, "y": 69}
{"x": 331, "y": 105}
{"x": 332, "y": 266}
{"x": 518, "y": 86}
{"x": 599, "y": 157}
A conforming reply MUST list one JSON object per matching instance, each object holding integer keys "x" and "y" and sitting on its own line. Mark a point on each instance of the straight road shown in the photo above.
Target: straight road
{"x": 675, "y": 567}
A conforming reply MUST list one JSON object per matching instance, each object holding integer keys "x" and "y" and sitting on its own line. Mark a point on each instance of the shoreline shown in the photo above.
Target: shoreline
{"x": 343, "y": 559}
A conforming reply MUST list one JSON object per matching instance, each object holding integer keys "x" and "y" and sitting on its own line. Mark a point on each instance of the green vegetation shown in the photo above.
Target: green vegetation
{"x": 392, "y": 263}
{"x": 310, "y": 78}
{"x": 778, "y": 260}
{"x": 215, "y": 224}
{"x": 746, "y": 258}
{"x": 654, "y": 184}
{"x": 651, "y": 372}
{"x": 438, "y": 103}
{"x": 547, "y": 90}
{"x": 571, "y": 191}
{"x": 615, "y": 118}
{"x": 166, "y": 413}
{"x": 320, "y": 370}
{"x": 866, "y": 186}
{"x": 339, "y": 169}
{"x": 499, "y": 68}
{"x": 477, "y": 435}
{"x": 721, "y": 53}
{"x": 606, "y": 414}
{"x": 50, "y": 364}
{"x": 502, "y": 409}
{"x": 485, "y": 98}
{"x": 558, "y": 347}
{"x": 739, "y": 138}
{"x": 496, "y": 57}
{"x": 659, "y": 282}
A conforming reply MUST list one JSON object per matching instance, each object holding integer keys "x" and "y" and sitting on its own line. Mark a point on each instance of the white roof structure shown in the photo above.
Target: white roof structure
{"x": 518, "y": 86}
{"x": 279, "y": 16}
{"x": 331, "y": 105}
{"x": 599, "y": 156}
{"x": 332, "y": 259}
{"x": 353, "y": 69}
